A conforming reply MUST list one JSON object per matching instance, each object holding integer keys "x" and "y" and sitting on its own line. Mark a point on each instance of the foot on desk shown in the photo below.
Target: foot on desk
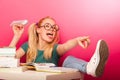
{"x": 95, "y": 66}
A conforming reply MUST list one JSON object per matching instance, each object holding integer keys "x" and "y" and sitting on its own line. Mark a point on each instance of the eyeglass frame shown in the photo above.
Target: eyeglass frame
{"x": 50, "y": 27}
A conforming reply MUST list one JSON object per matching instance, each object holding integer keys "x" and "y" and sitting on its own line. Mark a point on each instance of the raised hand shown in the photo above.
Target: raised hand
{"x": 83, "y": 41}
{"x": 18, "y": 29}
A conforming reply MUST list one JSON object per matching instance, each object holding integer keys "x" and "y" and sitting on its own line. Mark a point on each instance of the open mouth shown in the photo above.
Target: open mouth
{"x": 50, "y": 35}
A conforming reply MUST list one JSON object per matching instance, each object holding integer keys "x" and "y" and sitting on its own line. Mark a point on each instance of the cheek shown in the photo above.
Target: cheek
{"x": 40, "y": 30}
{"x": 43, "y": 34}
{"x": 54, "y": 34}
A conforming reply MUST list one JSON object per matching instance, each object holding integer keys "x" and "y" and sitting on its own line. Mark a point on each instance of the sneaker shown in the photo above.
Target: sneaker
{"x": 95, "y": 66}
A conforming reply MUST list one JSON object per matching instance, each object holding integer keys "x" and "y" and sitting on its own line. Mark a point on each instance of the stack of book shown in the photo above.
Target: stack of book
{"x": 7, "y": 57}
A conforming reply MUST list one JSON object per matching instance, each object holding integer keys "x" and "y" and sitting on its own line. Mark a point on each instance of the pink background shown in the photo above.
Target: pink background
{"x": 100, "y": 19}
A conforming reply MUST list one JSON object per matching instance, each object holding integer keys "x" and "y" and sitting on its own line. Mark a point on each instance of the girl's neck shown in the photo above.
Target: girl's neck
{"x": 42, "y": 45}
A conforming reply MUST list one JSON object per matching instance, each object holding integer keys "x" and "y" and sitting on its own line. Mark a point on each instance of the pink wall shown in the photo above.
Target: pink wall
{"x": 100, "y": 19}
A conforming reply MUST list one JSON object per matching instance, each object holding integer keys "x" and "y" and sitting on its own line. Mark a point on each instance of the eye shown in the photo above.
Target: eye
{"x": 56, "y": 27}
{"x": 47, "y": 26}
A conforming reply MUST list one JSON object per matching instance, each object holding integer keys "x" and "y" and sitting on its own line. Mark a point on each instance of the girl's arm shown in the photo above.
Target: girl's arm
{"x": 19, "y": 53}
{"x": 82, "y": 41}
{"x": 18, "y": 31}
{"x": 14, "y": 41}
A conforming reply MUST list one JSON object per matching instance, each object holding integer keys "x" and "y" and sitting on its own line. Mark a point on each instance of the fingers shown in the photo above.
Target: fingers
{"x": 85, "y": 44}
{"x": 84, "y": 41}
{"x": 17, "y": 24}
{"x": 88, "y": 41}
{"x": 84, "y": 38}
{"x": 18, "y": 27}
{"x": 81, "y": 44}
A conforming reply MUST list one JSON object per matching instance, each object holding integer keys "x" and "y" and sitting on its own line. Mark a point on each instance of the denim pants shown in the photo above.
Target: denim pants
{"x": 72, "y": 62}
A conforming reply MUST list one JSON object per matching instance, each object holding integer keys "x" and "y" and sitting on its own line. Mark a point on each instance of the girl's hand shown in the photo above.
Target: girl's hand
{"x": 18, "y": 29}
{"x": 83, "y": 41}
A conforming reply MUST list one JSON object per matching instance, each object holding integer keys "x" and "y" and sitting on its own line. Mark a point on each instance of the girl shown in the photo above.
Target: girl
{"x": 43, "y": 47}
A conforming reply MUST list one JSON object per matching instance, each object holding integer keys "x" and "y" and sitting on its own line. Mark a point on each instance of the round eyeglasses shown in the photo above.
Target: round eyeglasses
{"x": 48, "y": 26}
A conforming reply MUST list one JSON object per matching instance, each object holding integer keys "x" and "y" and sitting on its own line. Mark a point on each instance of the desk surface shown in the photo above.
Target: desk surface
{"x": 34, "y": 75}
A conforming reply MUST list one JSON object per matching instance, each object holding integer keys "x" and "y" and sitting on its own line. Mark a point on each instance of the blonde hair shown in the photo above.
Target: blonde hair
{"x": 33, "y": 41}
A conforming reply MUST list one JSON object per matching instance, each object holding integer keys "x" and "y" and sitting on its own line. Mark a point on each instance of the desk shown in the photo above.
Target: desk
{"x": 34, "y": 75}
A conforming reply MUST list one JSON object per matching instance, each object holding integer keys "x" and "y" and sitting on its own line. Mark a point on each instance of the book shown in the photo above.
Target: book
{"x": 55, "y": 69}
{"x": 7, "y": 58}
{"x": 7, "y": 51}
{"x": 9, "y": 62}
{"x": 48, "y": 67}
{"x": 44, "y": 65}
{"x": 33, "y": 66}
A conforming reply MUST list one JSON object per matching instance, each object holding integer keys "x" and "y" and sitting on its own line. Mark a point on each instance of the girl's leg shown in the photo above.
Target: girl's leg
{"x": 95, "y": 67}
{"x": 72, "y": 62}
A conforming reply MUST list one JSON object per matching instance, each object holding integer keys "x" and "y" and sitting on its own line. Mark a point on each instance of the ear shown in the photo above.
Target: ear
{"x": 38, "y": 30}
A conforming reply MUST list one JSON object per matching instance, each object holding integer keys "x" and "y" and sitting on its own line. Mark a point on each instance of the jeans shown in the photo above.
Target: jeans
{"x": 72, "y": 62}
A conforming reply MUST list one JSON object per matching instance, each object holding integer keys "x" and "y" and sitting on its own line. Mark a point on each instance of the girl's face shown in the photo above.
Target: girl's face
{"x": 47, "y": 30}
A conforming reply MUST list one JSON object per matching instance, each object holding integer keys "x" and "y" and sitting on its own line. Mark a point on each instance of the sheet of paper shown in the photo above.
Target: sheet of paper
{"x": 9, "y": 62}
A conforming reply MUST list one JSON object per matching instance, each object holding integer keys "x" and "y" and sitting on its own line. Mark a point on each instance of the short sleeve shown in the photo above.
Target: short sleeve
{"x": 55, "y": 50}
{"x": 25, "y": 46}
{"x": 55, "y": 55}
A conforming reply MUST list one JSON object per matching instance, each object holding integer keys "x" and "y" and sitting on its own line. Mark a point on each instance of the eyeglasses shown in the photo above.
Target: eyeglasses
{"x": 48, "y": 26}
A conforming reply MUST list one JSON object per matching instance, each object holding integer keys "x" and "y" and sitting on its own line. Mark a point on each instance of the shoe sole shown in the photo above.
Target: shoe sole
{"x": 104, "y": 53}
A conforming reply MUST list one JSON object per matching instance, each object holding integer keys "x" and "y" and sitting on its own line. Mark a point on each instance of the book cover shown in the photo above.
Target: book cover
{"x": 7, "y": 51}
{"x": 9, "y": 61}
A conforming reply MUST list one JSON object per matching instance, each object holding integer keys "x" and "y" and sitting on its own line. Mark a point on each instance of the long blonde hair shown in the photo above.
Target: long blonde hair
{"x": 33, "y": 41}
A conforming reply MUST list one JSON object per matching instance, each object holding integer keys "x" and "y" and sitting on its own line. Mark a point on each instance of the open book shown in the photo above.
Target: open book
{"x": 49, "y": 67}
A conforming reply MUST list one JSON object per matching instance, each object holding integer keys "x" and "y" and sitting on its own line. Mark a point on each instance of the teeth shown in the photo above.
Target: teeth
{"x": 49, "y": 34}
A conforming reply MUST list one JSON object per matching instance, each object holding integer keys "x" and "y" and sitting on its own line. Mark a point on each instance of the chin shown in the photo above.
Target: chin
{"x": 49, "y": 41}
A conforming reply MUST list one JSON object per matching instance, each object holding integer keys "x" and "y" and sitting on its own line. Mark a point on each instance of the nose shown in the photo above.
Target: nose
{"x": 52, "y": 29}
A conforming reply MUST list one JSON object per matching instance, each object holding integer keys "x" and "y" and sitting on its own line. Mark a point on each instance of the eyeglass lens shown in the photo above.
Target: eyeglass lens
{"x": 48, "y": 26}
